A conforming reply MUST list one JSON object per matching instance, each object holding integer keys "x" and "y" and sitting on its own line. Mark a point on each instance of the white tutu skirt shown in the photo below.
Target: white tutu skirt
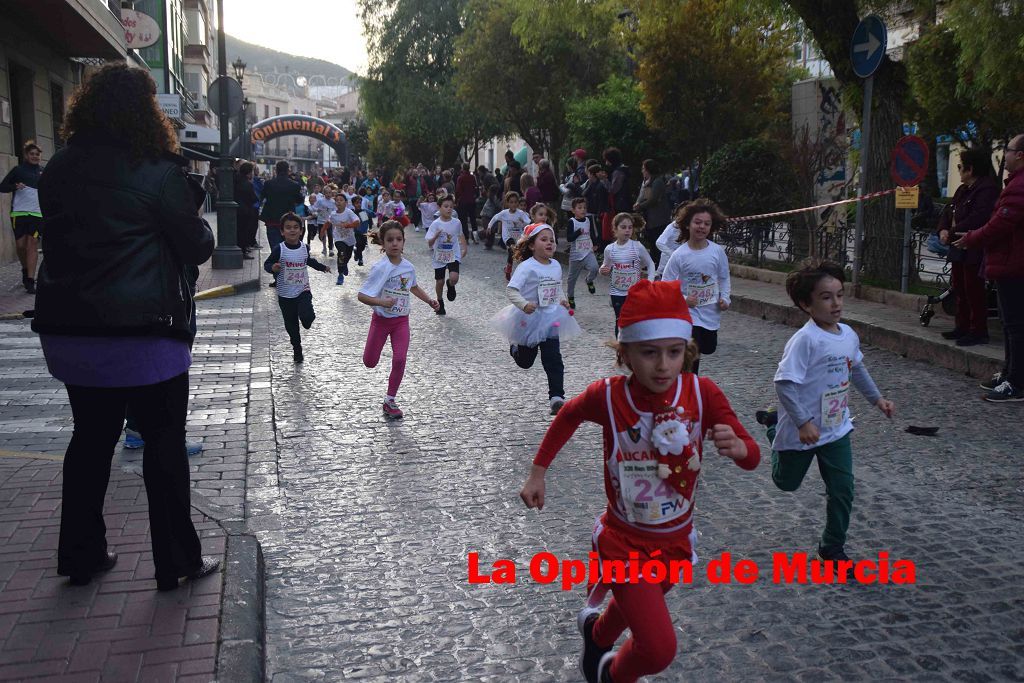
{"x": 531, "y": 329}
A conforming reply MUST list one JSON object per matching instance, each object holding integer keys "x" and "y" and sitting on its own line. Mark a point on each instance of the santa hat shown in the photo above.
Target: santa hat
{"x": 655, "y": 310}
{"x": 580, "y": 153}
{"x": 534, "y": 229}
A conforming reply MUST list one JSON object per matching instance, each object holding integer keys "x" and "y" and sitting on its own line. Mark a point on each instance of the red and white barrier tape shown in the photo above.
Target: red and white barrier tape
{"x": 870, "y": 195}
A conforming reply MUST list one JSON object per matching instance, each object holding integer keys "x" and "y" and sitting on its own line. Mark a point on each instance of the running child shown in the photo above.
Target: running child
{"x": 538, "y": 318}
{"x": 702, "y": 268}
{"x": 490, "y": 209}
{"x": 668, "y": 241}
{"x": 387, "y": 289}
{"x": 322, "y": 209}
{"x": 288, "y": 262}
{"x": 581, "y": 236}
{"x": 449, "y": 246}
{"x": 813, "y": 382}
{"x": 513, "y": 220}
{"x": 313, "y": 220}
{"x": 428, "y": 207}
{"x": 623, "y": 259}
{"x": 343, "y": 223}
{"x": 654, "y": 422}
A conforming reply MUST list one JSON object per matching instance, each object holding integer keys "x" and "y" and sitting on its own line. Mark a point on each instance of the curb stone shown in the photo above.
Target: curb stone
{"x": 241, "y": 647}
{"x": 228, "y": 290}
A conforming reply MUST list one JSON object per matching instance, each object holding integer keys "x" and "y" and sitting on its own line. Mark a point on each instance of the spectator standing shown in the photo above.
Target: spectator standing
{"x": 970, "y": 209}
{"x": 26, "y": 218}
{"x": 465, "y": 201}
{"x": 115, "y": 314}
{"x": 280, "y": 195}
{"x": 248, "y": 218}
{"x": 653, "y": 203}
{"x": 548, "y": 185}
{"x": 1002, "y": 238}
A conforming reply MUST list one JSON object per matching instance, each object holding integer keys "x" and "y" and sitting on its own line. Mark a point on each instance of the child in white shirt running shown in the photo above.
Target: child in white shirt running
{"x": 623, "y": 260}
{"x": 343, "y": 222}
{"x": 813, "y": 382}
{"x": 581, "y": 236}
{"x": 445, "y": 238}
{"x": 539, "y": 317}
{"x": 513, "y": 221}
{"x": 702, "y": 268}
{"x": 428, "y": 207}
{"x": 668, "y": 240}
{"x": 387, "y": 288}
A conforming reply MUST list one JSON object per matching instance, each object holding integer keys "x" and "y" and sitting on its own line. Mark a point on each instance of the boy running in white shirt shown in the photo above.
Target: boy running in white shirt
{"x": 513, "y": 221}
{"x": 448, "y": 243}
{"x": 623, "y": 260}
{"x": 668, "y": 240}
{"x": 702, "y": 269}
{"x": 813, "y": 382}
{"x": 581, "y": 236}
{"x": 343, "y": 221}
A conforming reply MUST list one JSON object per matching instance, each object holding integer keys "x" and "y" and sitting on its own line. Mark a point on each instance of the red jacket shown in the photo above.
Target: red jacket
{"x": 1002, "y": 237}
{"x": 465, "y": 189}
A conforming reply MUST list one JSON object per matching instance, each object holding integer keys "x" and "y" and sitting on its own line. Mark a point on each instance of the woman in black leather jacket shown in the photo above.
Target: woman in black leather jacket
{"x": 114, "y": 314}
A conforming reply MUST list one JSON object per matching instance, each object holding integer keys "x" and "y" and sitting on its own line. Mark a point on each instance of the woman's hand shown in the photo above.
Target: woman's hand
{"x": 691, "y": 300}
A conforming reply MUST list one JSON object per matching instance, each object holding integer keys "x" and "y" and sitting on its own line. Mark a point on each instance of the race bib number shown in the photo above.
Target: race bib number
{"x": 834, "y": 403}
{"x": 648, "y": 499}
{"x": 547, "y": 292}
{"x": 445, "y": 253}
{"x": 294, "y": 275}
{"x": 401, "y": 297}
{"x": 706, "y": 292}
{"x": 582, "y": 245}
{"x": 624, "y": 276}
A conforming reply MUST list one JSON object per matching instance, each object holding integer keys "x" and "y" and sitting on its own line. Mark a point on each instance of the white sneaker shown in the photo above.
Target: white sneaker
{"x": 556, "y": 404}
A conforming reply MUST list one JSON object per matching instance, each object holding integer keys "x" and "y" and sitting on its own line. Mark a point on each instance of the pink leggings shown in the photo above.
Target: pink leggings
{"x": 651, "y": 646}
{"x": 380, "y": 329}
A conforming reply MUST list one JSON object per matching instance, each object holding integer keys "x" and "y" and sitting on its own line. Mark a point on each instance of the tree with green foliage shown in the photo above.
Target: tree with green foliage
{"x": 612, "y": 117}
{"x": 711, "y": 73}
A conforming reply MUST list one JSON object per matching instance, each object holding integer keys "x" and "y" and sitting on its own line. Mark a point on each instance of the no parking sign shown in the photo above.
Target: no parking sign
{"x": 909, "y": 161}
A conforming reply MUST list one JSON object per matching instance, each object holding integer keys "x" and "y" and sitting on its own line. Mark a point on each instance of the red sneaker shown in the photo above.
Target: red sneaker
{"x": 391, "y": 409}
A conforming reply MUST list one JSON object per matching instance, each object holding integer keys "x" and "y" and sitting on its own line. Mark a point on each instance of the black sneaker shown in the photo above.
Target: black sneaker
{"x": 24, "y": 278}
{"x": 832, "y": 552}
{"x": 591, "y": 288}
{"x": 954, "y": 334}
{"x": 449, "y": 290}
{"x": 971, "y": 340}
{"x": 440, "y": 309}
{"x": 592, "y": 653}
{"x": 272, "y": 284}
{"x": 297, "y": 354}
{"x": 995, "y": 381}
{"x": 30, "y": 286}
{"x": 1005, "y": 393}
{"x": 572, "y": 303}
{"x": 767, "y": 417}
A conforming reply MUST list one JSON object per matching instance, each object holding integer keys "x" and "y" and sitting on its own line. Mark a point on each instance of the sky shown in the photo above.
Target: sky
{"x": 328, "y": 30}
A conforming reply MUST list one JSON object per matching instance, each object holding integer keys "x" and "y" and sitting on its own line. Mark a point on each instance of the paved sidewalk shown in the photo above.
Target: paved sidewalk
{"x": 119, "y": 628}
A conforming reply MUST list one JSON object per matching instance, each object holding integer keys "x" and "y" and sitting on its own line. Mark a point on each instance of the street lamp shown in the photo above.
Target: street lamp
{"x": 239, "y": 68}
{"x": 227, "y": 255}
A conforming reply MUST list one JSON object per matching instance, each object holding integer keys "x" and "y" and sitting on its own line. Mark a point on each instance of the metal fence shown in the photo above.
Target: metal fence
{"x": 776, "y": 244}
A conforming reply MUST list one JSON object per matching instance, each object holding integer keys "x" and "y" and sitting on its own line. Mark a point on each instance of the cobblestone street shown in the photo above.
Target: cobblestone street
{"x": 366, "y": 524}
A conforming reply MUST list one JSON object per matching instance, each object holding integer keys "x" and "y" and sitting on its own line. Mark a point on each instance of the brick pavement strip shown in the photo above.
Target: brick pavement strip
{"x": 119, "y": 627}
{"x": 366, "y": 524}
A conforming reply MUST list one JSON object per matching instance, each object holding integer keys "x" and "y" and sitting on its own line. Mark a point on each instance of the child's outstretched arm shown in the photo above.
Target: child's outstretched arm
{"x": 861, "y": 379}
{"x": 424, "y": 297}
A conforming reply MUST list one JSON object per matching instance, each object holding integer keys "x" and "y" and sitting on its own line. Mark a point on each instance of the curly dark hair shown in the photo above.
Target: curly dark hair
{"x": 686, "y": 212}
{"x": 800, "y": 283}
{"x": 119, "y": 102}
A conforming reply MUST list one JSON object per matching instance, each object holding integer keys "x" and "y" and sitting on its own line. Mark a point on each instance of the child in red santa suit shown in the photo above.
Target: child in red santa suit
{"x": 654, "y": 421}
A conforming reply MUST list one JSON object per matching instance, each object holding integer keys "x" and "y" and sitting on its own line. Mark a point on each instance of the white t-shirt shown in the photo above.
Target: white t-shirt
{"x": 427, "y": 210}
{"x": 342, "y": 234}
{"x": 293, "y": 277}
{"x": 667, "y": 244}
{"x": 387, "y": 210}
{"x": 512, "y": 224}
{"x": 820, "y": 363}
{"x": 584, "y": 244}
{"x": 538, "y": 283}
{"x": 322, "y": 208}
{"x": 389, "y": 280}
{"x": 703, "y": 273}
{"x": 626, "y": 261}
{"x": 447, "y": 248}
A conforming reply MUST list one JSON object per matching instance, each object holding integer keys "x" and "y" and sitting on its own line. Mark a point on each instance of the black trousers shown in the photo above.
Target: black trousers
{"x": 294, "y": 310}
{"x": 360, "y": 245}
{"x": 617, "y": 303}
{"x": 160, "y": 410}
{"x": 1011, "y": 314}
{"x": 550, "y": 358}
{"x": 706, "y": 341}
{"x": 467, "y": 214}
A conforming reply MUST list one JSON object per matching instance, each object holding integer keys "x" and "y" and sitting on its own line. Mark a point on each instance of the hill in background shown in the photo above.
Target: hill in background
{"x": 267, "y": 61}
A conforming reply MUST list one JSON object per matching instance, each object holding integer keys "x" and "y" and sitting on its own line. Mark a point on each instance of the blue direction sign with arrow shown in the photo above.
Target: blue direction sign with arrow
{"x": 868, "y": 45}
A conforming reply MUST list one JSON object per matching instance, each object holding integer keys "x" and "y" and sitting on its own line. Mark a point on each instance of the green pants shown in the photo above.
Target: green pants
{"x": 835, "y": 462}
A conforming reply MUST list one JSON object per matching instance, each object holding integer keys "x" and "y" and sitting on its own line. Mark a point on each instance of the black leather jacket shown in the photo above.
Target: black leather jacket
{"x": 122, "y": 244}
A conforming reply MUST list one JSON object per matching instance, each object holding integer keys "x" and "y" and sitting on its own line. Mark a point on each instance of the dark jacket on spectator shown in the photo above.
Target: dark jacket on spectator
{"x": 548, "y": 186}
{"x": 281, "y": 195}
{"x": 122, "y": 244}
{"x": 655, "y": 205}
{"x": 972, "y": 207}
{"x": 1002, "y": 237}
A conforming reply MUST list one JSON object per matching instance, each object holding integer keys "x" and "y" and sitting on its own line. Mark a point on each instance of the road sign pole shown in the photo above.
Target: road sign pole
{"x": 865, "y": 138}
{"x": 905, "y": 278}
